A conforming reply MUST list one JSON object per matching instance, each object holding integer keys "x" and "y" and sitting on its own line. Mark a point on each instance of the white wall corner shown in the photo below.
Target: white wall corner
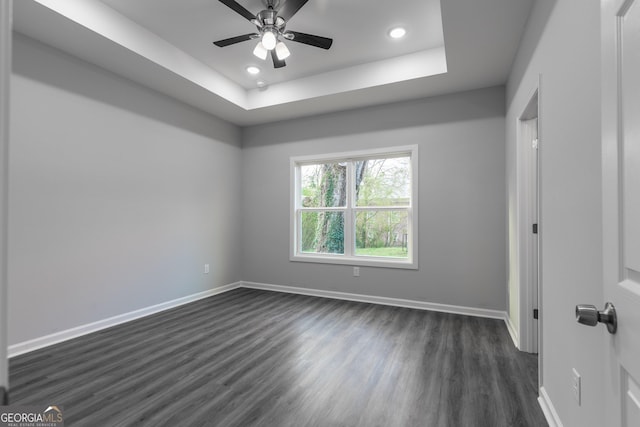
{"x": 61, "y": 336}
{"x": 513, "y": 332}
{"x": 548, "y": 409}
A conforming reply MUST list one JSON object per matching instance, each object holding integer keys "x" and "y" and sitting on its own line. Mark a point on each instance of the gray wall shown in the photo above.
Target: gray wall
{"x": 562, "y": 44}
{"x": 118, "y": 196}
{"x": 462, "y": 198}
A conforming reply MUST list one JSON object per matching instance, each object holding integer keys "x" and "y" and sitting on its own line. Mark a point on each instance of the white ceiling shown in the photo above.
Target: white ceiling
{"x": 451, "y": 45}
{"x": 192, "y": 26}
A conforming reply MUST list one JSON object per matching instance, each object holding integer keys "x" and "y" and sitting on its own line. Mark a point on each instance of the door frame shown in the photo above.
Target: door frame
{"x": 6, "y": 11}
{"x": 530, "y": 275}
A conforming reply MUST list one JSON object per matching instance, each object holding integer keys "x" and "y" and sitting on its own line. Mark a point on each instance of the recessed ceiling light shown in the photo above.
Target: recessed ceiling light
{"x": 261, "y": 83}
{"x": 397, "y": 33}
{"x": 253, "y": 70}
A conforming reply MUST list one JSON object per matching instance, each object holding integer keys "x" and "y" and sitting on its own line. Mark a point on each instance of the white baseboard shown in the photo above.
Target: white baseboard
{"x": 548, "y": 409}
{"x": 512, "y": 330}
{"x": 420, "y": 305}
{"x": 55, "y": 338}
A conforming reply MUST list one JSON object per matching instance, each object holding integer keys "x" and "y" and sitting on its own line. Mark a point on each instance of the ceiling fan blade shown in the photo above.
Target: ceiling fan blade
{"x": 310, "y": 39}
{"x": 237, "y": 39}
{"x": 290, "y": 8}
{"x": 238, "y": 8}
{"x": 277, "y": 63}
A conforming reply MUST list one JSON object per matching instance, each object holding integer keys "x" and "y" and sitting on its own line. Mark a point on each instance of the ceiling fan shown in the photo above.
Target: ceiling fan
{"x": 271, "y": 24}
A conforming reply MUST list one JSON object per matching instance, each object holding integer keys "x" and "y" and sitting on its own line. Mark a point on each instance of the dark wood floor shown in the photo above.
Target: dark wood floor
{"x": 259, "y": 358}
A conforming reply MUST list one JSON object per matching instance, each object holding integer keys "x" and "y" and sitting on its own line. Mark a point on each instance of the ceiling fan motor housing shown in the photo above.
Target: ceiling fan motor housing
{"x": 269, "y": 18}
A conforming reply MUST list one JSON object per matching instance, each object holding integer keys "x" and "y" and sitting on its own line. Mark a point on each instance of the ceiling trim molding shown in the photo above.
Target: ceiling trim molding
{"x": 417, "y": 65}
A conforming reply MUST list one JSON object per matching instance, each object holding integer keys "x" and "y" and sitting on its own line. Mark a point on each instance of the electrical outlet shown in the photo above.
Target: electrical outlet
{"x": 576, "y": 385}
{"x": 206, "y": 269}
{"x": 356, "y": 271}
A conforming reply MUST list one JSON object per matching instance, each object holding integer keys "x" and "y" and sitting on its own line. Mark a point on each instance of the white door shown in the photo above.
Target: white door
{"x": 620, "y": 28}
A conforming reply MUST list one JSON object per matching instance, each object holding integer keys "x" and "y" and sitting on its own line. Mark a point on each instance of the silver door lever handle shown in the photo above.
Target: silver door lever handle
{"x": 589, "y": 315}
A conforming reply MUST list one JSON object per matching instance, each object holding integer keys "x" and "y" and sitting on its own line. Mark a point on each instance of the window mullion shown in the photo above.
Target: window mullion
{"x": 348, "y": 215}
{"x": 323, "y": 209}
{"x": 297, "y": 180}
{"x": 298, "y": 231}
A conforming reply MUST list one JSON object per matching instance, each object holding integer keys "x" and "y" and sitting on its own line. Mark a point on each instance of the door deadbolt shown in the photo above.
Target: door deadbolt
{"x": 589, "y": 315}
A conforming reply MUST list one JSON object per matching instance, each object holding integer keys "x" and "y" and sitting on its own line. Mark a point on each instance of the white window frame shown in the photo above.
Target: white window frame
{"x": 349, "y": 258}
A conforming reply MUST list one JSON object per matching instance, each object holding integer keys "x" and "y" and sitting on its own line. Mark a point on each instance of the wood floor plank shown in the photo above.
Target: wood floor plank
{"x": 259, "y": 358}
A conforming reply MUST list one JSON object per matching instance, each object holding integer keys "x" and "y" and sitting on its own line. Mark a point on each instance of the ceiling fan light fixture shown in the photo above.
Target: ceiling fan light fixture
{"x": 260, "y": 51}
{"x": 269, "y": 39}
{"x": 282, "y": 52}
{"x": 271, "y": 31}
{"x": 397, "y": 33}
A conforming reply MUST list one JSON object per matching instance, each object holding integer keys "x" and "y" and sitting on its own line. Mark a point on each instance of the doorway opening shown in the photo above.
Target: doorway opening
{"x": 529, "y": 230}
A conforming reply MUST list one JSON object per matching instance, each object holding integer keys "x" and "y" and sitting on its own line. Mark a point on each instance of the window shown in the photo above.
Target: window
{"x": 356, "y": 208}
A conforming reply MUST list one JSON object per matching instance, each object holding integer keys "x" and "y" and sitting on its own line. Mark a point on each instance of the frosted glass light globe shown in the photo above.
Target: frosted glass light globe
{"x": 269, "y": 40}
{"x": 260, "y": 51}
{"x": 281, "y": 51}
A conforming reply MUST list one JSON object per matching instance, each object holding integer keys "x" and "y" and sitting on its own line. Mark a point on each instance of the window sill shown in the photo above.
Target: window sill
{"x": 359, "y": 261}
